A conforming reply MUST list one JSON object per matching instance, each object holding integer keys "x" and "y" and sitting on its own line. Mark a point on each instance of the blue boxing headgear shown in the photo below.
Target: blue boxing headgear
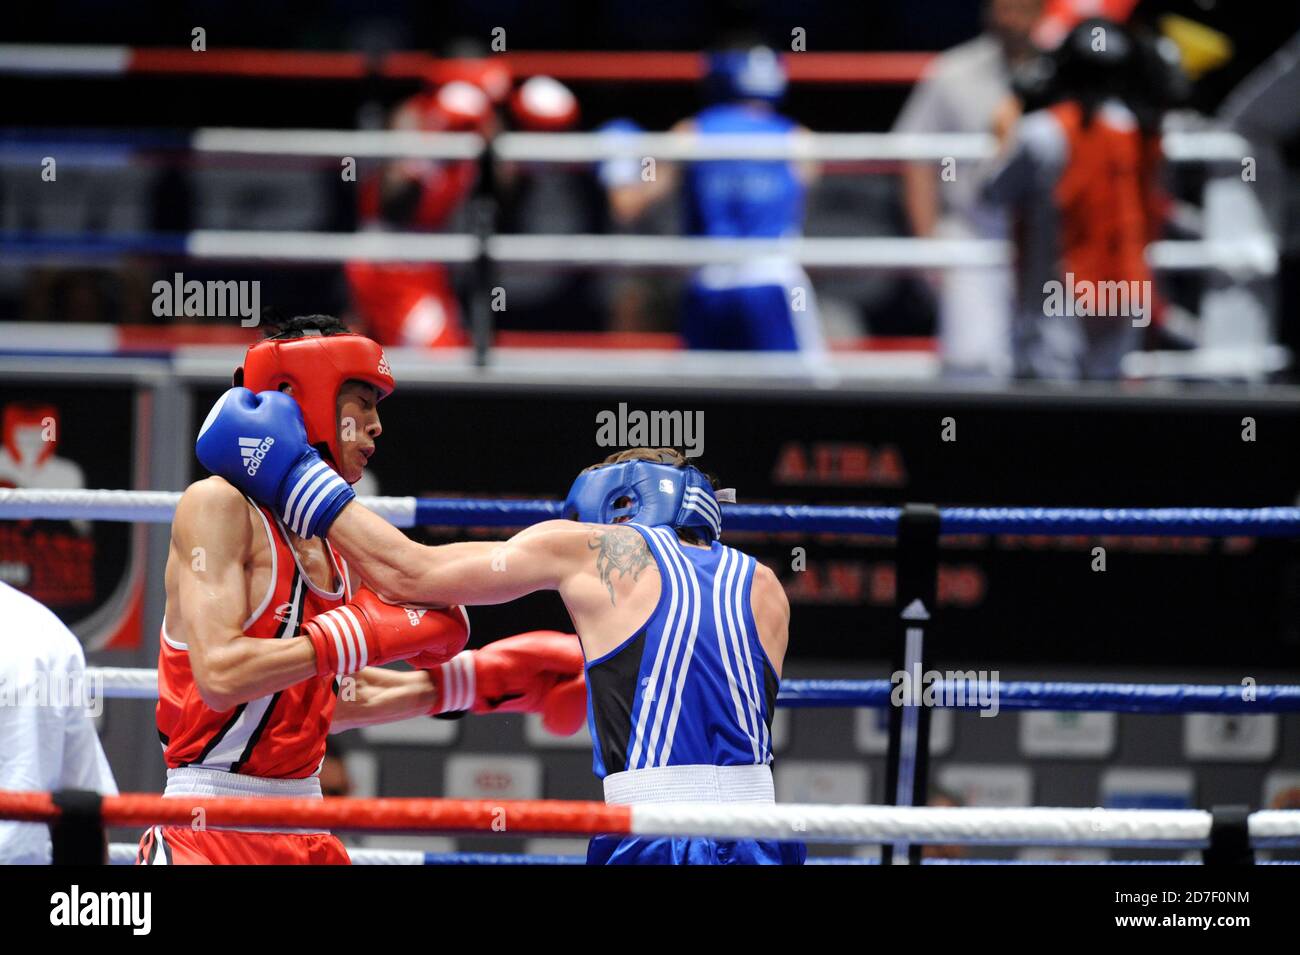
{"x": 746, "y": 74}
{"x": 657, "y": 494}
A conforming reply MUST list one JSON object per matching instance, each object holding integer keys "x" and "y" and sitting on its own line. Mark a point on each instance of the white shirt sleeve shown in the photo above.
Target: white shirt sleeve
{"x": 84, "y": 764}
{"x": 47, "y": 737}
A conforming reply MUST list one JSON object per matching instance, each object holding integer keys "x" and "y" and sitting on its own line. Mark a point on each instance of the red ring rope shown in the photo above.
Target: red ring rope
{"x": 361, "y": 815}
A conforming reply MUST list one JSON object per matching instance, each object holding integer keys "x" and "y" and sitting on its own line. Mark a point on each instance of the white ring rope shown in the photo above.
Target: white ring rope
{"x": 1250, "y": 255}
{"x": 925, "y": 825}
{"x": 1189, "y": 146}
{"x": 124, "y": 683}
{"x": 156, "y": 507}
{"x": 1179, "y": 146}
{"x": 338, "y": 143}
{"x": 332, "y": 246}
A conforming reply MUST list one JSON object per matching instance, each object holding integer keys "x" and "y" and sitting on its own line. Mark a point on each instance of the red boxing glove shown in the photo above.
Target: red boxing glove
{"x": 564, "y": 709}
{"x": 369, "y": 632}
{"x": 538, "y": 672}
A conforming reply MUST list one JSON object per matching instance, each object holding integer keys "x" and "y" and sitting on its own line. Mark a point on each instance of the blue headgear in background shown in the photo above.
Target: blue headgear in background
{"x": 658, "y": 494}
{"x": 746, "y": 74}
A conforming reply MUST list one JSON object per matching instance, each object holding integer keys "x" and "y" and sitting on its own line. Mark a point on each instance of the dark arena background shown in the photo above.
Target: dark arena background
{"x": 840, "y": 293}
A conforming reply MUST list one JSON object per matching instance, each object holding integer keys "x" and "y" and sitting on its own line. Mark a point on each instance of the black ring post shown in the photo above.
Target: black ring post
{"x": 916, "y": 573}
{"x": 1229, "y": 837}
{"x": 483, "y": 211}
{"x": 77, "y": 834}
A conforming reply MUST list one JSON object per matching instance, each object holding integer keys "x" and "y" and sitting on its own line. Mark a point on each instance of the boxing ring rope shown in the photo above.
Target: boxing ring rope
{"x": 636, "y": 66}
{"x": 142, "y": 684}
{"x": 1244, "y": 255}
{"x": 1131, "y": 828}
{"x": 626, "y": 251}
{"x": 1180, "y": 146}
{"x": 159, "y": 506}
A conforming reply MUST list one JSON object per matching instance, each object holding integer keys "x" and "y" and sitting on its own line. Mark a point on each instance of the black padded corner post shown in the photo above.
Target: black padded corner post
{"x": 78, "y": 833}
{"x": 1229, "y": 837}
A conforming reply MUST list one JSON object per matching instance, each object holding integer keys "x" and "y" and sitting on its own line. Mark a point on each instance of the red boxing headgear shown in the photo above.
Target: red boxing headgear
{"x": 29, "y": 415}
{"x": 544, "y": 105}
{"x": 316, "y": 366}
{"x": 457, "y": 107}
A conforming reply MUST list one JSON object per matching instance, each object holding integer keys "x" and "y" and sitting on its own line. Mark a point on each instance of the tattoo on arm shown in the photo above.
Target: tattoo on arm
{"x": 622, "y": 551}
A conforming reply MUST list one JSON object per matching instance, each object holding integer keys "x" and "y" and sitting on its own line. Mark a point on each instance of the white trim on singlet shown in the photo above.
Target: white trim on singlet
{"x": 726, "y": 569}
{"x": 169, "y": 641}
{"x": 345, "y": 572}
{"x": 231, "y": 747}
{"x": 672, "y": 623}
{"x": 270, "y": 589}
{"x": 740, "y": 638}
{"x": 275, "y": 568}
{"x": 327, "y": 594}
{"x": 160, "y": 848}
{"x": 676, "y": 664}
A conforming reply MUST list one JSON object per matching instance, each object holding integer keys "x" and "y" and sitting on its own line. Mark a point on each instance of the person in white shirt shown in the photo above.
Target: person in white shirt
{"x": 47, "y": 735}
{"x": 960, "y": 93}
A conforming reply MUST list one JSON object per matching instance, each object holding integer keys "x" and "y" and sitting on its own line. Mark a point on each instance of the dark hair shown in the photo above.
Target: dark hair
{"x": 669, "y": 456}
{"x": 301, "y": 325}
{"x": 1081, "y": 71}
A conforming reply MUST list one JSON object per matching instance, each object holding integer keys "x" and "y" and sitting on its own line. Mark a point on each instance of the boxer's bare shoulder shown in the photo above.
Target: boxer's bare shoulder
{"x": 213, "y": 507}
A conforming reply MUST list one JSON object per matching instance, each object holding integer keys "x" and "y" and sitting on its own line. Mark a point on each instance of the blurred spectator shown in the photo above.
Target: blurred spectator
{"x": 960, "y": 93}
{"x": 414, "y": 303}
{"x": 763, "y": 304}
{"x": 546, "y": 198}
{"x": 334, "y": 777}
{"x": 942, "y": 799}
{"x": 48, "y": 740}
{"x": 1080, "y": 176}
{"x": 1241, "y": 311}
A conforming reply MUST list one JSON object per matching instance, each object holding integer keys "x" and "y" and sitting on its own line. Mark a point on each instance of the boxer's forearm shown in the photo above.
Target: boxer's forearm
{"x": 378, "y": 695}
{"x": 247, "y": 668}
{"x": 402, "y": 571}
{"x": 379, "y": 552}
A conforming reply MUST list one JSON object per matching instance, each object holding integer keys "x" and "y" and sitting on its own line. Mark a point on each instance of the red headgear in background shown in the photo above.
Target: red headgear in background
{"x": 453, "y": 107}
{"x": 544, "y": 105}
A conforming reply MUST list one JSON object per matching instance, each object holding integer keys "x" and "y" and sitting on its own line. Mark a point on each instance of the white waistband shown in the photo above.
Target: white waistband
{"x": 691, "y": 784}
{"x": 188, "y": 781}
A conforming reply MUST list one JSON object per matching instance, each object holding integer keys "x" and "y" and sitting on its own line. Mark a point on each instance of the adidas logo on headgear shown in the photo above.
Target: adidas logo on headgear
{"x": 383, "y": 365}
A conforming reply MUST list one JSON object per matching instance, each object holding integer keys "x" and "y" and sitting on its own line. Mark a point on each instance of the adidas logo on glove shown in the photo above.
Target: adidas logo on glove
{"x": 414, "y": 615}
{"x": 253, "y": 450}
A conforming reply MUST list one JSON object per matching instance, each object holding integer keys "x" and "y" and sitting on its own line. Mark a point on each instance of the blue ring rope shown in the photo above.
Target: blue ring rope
{"x": 1038, "y": 695}
{"x": 883, "y": 521}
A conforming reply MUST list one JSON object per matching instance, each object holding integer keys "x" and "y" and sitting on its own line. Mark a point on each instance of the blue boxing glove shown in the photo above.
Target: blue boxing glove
{"x": 259, "y": 444}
